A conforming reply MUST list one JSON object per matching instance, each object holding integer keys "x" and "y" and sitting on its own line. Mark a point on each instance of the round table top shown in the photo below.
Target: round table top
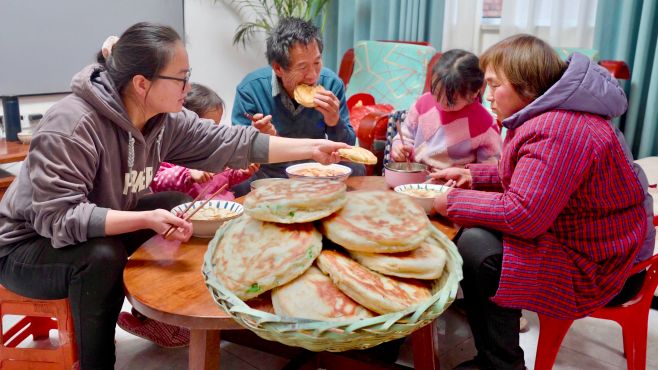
{"x": 163, "y": 279}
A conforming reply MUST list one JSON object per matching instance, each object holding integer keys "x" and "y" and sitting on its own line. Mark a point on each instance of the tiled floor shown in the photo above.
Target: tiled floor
{"x": 590, "y": 344}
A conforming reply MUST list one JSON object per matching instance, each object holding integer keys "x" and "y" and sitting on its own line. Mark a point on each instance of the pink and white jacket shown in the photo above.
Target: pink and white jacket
{"x": 177, "y": 178}
{"x": 448, "y": 139}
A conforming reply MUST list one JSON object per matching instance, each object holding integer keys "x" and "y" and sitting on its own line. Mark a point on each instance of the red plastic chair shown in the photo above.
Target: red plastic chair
{"x": 632, "y": 316}
{"x": 364, "y": 98}
{"x": 41, "y": 316}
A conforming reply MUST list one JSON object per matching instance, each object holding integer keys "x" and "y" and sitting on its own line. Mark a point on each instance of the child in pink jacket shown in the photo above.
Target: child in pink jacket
{"x": 207, "y": 104}
{"x": 448, "y": 126}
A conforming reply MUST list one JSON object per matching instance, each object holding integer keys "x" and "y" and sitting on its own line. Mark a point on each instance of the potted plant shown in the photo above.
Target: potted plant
{"x": 262, "y": 15}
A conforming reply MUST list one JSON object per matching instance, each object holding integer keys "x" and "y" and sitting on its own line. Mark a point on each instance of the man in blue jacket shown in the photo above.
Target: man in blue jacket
{"x": 294, "y": 52}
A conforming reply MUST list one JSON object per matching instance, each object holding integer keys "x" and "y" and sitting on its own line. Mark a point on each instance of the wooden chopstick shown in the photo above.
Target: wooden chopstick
{"x": 182, "y": 215}
{"x": 249, "y": 116}
{"x": 187, "y": 217}
{"x": 397, "y": 127}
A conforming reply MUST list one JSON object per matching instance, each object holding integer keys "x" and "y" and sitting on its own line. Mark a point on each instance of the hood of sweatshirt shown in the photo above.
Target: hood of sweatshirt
{"x": 94, "y": 85}
{"x": 584, "y": 87}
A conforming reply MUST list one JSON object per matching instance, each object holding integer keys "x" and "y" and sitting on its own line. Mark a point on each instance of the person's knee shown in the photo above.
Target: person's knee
{"x": 106, "y": 256}
{"x": 475, "y": 245}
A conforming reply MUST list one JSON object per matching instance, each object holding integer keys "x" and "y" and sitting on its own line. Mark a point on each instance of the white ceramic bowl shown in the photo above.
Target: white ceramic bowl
{"x": 341, "y": 173}
{"x": 25, "y": 137}
{"x": 207, "y": 228}
{"x": 426, "y": 202}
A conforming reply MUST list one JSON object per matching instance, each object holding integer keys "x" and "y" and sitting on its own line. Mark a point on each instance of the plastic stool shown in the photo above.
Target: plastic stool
{"x": 41, "y": 316}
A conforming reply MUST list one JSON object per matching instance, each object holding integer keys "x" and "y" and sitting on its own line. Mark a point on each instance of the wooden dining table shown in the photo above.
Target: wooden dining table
{"x": 163, "y": 281}
{"x": 10, "y": 151}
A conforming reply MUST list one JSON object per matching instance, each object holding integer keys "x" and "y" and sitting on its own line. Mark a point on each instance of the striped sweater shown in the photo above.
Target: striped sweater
{"x": 571, "y": 205}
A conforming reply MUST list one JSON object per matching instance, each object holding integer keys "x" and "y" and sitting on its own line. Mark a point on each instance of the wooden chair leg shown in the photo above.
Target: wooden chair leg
{"x": 424, "y": 342}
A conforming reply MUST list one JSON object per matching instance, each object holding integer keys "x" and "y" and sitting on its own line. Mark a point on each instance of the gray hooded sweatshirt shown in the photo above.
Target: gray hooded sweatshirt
{"x": 86, "y": 158}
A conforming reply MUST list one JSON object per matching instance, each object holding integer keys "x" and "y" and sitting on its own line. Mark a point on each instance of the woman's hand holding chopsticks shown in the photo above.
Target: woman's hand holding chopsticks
{"x": 164, "y": 220}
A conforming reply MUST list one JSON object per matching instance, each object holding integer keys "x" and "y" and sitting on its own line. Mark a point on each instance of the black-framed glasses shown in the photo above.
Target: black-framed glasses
{"x": 184, "y": 80}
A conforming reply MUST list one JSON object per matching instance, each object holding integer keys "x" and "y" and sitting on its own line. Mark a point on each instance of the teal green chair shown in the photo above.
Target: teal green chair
{"x": 393, "y": 73}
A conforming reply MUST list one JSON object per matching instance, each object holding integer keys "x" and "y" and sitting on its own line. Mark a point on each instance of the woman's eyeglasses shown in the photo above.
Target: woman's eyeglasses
{"x": 184, "y": 80}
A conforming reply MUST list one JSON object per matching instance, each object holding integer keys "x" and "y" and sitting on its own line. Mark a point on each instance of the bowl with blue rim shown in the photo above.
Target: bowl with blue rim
{"x": 422, "y": 194}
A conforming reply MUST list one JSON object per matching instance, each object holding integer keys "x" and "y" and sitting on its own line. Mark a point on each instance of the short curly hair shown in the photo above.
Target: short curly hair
{"x": 287, "y": 33}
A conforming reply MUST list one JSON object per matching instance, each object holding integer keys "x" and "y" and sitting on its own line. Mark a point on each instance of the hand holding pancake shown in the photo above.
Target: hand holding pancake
{"x": 328, "y": 104}
{"x": 323, "y": 100}
{"x": 326, "y": 151}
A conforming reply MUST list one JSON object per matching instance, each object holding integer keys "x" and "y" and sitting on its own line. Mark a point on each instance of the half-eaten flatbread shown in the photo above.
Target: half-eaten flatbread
{"x": 304, "y": 94}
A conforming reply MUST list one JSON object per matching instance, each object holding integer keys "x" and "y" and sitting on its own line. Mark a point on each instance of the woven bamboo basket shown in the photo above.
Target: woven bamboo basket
{"x": 337, "y": 336}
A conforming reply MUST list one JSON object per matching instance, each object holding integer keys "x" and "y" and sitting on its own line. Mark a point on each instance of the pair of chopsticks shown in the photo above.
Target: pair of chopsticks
{"x": 397, "y": 127}
{"x": 187, "y": 217}
{"x": 249, "y": 116}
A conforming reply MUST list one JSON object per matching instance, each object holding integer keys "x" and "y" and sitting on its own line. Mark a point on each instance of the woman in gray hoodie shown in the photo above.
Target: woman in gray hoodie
{"x": 80, "y": 205}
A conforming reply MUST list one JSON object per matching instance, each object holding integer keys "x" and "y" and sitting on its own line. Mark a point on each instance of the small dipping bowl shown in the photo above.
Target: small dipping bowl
{"x": 206, "y": 228}
{"x": 402, "y": 173}
{"x": 421, "y": 194}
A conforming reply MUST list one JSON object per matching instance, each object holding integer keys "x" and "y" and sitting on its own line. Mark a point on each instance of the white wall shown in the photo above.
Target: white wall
{"x": 215, "y": 62}
{"x": 209, "y": 28}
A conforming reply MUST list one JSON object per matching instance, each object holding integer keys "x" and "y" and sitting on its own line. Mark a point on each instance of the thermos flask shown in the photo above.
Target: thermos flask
{"x": 12, "y": 117}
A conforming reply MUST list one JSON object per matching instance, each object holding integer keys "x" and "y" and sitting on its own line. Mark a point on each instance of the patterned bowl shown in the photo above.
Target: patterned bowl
{"x": 422, "y": 194}
{"x": 207, "y": 220}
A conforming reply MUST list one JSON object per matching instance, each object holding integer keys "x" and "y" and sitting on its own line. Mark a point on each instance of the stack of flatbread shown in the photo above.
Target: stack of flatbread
{"x": 295, "y": 201}
{"x": 389, "y": 251}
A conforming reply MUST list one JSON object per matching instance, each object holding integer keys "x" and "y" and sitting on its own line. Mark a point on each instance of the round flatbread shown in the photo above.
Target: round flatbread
{"x": 425, "y": 262}
{"x": 252, "y": 257}
{"x": 304, "y": 94}
{"x": 358, "y": 154}
{"x": 295, "y": 201}
{"x": 375, "y": 291}
{"x": 378, "y": 222}
{"x": 314, "y": 296}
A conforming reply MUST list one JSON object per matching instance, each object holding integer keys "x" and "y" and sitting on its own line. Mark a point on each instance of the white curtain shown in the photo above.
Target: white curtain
{"x": 461, "y": 25}
{"x": 562, "y": 23}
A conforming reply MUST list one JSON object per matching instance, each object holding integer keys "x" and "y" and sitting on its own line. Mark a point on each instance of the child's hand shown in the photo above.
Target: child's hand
{"x": 253, "y": 167}
{"x": 400, "y": 153}
{"x": 201, "y": 176}
{"x": 460, "y": 177}
{"x": 263, "y": 124}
